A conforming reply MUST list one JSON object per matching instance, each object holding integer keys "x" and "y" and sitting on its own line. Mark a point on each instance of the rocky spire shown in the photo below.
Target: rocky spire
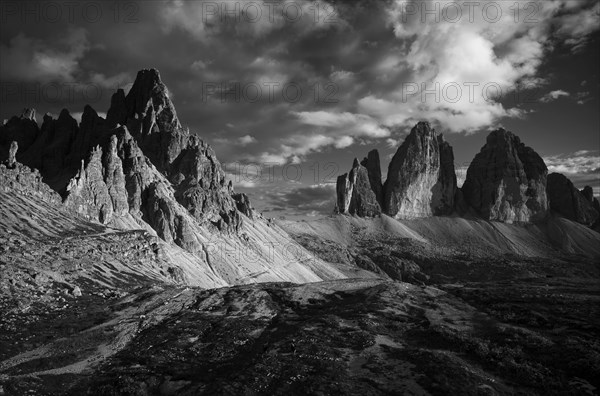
{"x": 507, "y": 180}
{"x": 190, "y": 165}
{"x": 421, "y": 181}
{"x": 355, "y": 195}
{"x": 373, "y": 166}
{"x": 139, "y": 163}
{"x": 150, "y": 116}
{"x": 12, "y": 154}
{"x": 588, "y": 193}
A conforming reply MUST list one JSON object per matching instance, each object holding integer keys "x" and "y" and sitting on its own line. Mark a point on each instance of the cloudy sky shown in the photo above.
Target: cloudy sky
{"x": 289, "y": 92}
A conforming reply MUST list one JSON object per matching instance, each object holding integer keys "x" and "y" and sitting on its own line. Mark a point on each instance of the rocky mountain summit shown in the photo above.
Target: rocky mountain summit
{"x": 141, "y": 169}
{"x": 421, "y": 180}
{"x": 506, "y": 181}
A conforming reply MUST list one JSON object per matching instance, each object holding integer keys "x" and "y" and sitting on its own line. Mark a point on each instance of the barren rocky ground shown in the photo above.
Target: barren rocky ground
{"x": 465, "y": 325}
{"x": 534, "y": 336}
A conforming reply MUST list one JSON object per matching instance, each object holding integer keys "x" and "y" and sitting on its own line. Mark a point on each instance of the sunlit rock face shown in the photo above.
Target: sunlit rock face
{"x": 190, "y": 164}
{"x": 139, "y": 161}
{"x": 355, "y": 194}
{"x": 507, "y": 180}
{"x": 567, "y": 200}
{"x": 421, "y": 181}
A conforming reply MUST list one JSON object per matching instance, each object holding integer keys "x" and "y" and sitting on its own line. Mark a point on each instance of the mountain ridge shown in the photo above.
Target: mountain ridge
{"x": 506, "y": 182}
{"x": 141, "y": 169}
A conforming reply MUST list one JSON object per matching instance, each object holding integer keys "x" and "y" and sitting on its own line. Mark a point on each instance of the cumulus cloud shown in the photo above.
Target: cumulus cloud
{"x": 115, "y": 82}
{"x": 554, "y": 95}
{"x": 246, "y": 140}
{"x": 31, "y": 59}
{"x": 330, "y": 129}
{"x": 458, "y": 69}
{"x": 581, "y": 167}
{"x": 576, "y": 27}
{"x": 206, "y": 20}
{"x": 583, "y": 161}
{"x": 295, "y": 147}
{"x": 352, "y": 124}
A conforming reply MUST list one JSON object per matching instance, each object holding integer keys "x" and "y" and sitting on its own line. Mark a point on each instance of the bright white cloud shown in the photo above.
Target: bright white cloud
{"x": 332, "y": 129}
{"x": 346, "y": 123}
{"x": 581, "y": 167}
{"x": 552, "y": 96}
{"x": 583, "y": 161}
{"x": 460, "y": 66}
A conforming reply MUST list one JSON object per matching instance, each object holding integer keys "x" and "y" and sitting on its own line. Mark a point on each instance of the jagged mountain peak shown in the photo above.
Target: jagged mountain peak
{"x": 29, "y": 114}
{"x": 65, "y": 115}
{"x": 149, "y": 90}
{"x": 421, "y": 180}
{"x": 506, "y": 180}
{"x": 502, "y": 137}
{"x": 422, "y": 128}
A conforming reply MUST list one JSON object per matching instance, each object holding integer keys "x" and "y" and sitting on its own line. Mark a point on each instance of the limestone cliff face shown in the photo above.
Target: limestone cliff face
{"x": 140, "y": 162}
{"x": 243, "y": 204}
{"x": 421, "y": 180}
{"x": 507, "y": 180}
{"x": 140, "y": 169}
{"x": 373, "y": 166}
{"x": 355, "y": 193}
{"x": 150, "y": 116}
{"x": 98, "y": 190}
{"x": 190, "y": 165}
{"x": 565, "y": 199}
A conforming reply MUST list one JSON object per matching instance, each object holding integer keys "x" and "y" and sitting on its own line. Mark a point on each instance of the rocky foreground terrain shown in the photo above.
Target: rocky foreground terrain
{"x": 130, "y": 266}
